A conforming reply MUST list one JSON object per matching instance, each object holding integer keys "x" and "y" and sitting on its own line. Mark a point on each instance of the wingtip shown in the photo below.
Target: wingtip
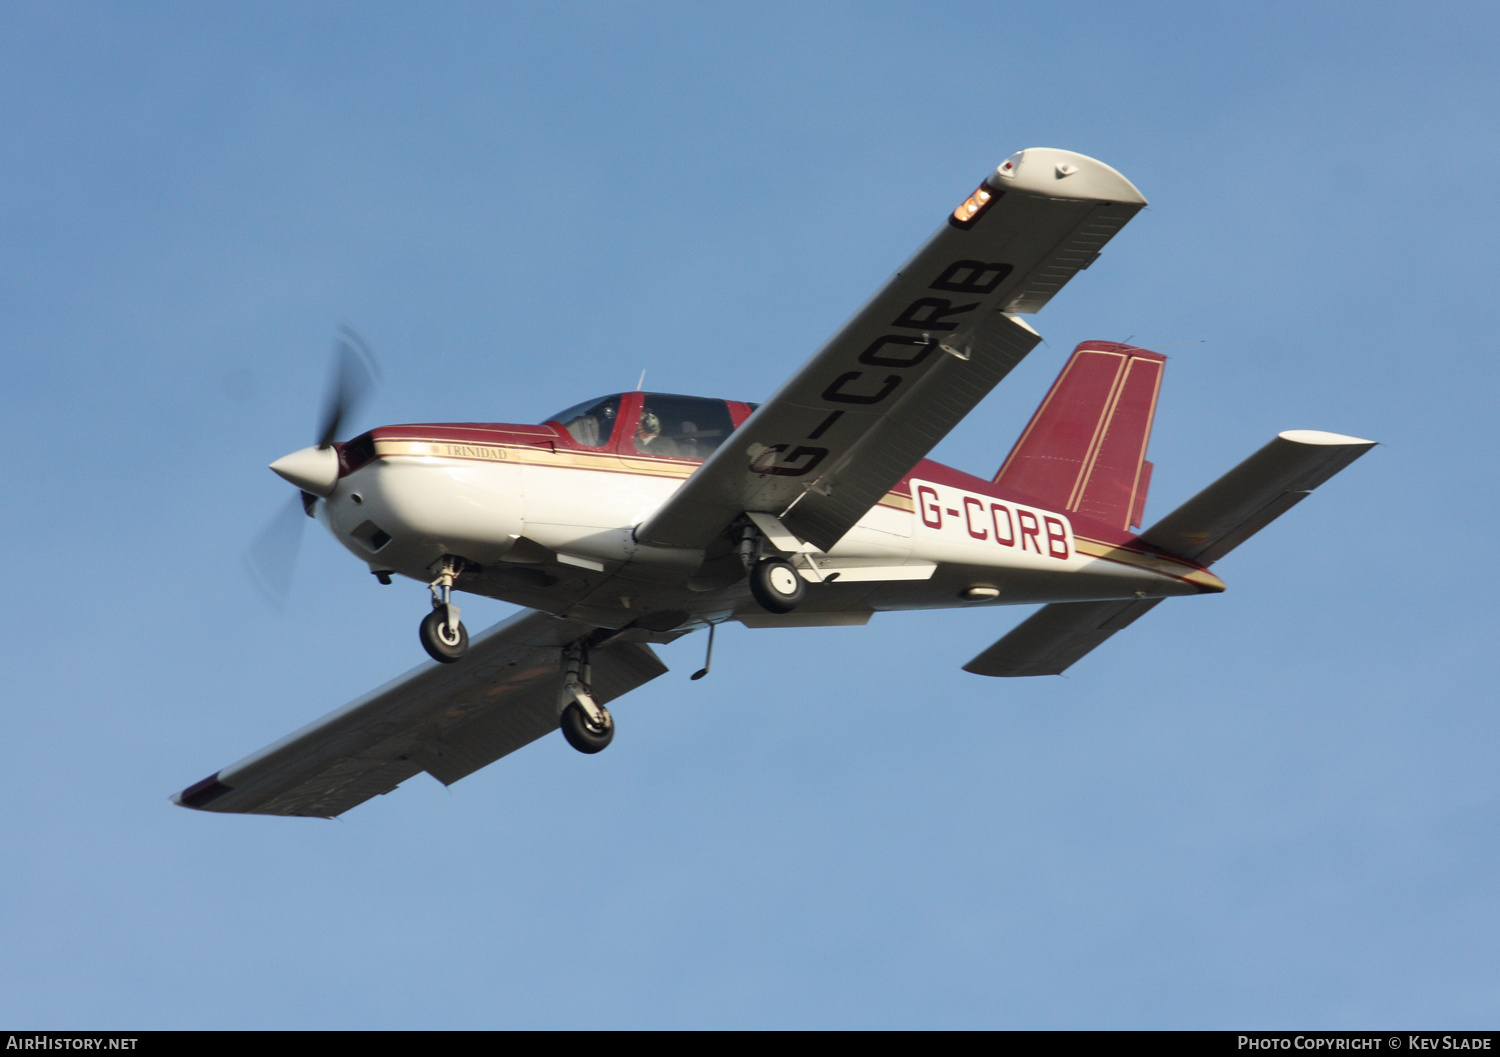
{"x": 1065, "y": 174}
{"x": 200, "y": 794}
{"x": 1318, "y": 436}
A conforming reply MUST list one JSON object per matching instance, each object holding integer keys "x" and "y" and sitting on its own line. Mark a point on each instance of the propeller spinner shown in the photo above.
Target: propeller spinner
{"x": 314, "y": 470}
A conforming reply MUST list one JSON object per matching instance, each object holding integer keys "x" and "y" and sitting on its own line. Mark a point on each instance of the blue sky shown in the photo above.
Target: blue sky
{"x": 1277, "y": 807}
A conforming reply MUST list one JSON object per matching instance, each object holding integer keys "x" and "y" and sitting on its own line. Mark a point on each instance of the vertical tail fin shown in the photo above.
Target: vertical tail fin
{"x": 1084, "y": 451}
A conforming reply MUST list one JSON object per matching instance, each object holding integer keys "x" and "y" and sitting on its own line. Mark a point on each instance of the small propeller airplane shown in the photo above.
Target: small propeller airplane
{"x": 636, "y": 518}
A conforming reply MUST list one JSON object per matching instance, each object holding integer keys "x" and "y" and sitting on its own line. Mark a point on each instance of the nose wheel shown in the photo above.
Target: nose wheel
{"x": 443, "y": 635}
{"x": 586, "y": 724}
{"x": 444, "y": 640}
{"x": 585, "y": 734}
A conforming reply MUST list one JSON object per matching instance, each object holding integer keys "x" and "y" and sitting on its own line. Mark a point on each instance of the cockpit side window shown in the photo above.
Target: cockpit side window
{"x": 592, "y": 422}
{"x": 681, "y": 427}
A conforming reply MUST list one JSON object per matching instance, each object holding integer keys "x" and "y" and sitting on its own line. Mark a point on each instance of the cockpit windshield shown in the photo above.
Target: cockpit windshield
{"x": 681, "y": 427}
{"x": 674, "y": 427}
{"x": 592, "y": 422}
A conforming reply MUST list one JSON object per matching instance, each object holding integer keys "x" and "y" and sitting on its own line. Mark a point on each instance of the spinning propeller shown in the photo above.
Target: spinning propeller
{"x": 272, "y": 558}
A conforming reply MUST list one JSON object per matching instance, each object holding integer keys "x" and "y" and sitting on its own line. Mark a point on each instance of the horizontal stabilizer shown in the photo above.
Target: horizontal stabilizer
{"x": 1054, "y": 637}
{"x": 1204, "y": 529}
{"x": 1253, "y": 494}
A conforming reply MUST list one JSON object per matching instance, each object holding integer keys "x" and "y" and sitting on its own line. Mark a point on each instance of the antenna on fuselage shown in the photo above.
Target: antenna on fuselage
{"x": 642, "y": 383}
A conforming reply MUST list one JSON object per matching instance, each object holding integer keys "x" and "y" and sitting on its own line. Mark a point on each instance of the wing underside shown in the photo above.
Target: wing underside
{"x": 912, "y": 362}
{"x": 446, "y": 719}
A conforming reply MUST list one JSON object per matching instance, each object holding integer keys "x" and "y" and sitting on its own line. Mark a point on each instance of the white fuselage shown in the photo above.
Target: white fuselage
{"x": 559, "y": 537}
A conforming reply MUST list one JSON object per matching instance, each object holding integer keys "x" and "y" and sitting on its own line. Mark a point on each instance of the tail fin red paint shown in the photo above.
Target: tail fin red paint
{"x": 1084, "y": 451}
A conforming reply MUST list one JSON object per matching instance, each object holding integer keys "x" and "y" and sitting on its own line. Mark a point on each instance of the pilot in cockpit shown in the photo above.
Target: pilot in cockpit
{"x": 648, "y": 438}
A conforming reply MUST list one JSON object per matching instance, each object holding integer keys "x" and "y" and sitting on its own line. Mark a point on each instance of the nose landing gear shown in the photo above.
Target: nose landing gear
{"x": 583, "y": 733}
{"x": 443, "y": 636}
{"x": 586, "y": 724}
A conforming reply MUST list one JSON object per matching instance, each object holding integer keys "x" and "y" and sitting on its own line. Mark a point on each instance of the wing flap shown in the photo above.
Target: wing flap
{"x": 1057, "y": 636}
{"x": 448, "y": 719}
{"x": 528, "y": 715}
{"x": 891, "y": 447}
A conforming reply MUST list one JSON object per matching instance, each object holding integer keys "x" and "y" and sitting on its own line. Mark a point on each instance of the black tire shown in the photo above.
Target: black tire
{"x": 434, "y": 635}
{"x": 583, "y": 735}
{"x": 776, "y": 585}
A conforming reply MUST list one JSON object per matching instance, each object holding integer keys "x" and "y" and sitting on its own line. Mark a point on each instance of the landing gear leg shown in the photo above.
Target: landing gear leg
{"x": 751, "y": 544}
{"x": 586, "y": 724}
{"x": 774, "y": 582}
{"x": 443, "y": 636}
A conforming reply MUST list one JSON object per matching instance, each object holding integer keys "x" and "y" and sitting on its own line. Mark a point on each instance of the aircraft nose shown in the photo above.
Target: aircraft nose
{"x": 314, "y": 470}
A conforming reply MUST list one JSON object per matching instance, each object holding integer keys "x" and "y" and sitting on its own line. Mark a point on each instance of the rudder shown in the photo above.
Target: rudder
{"x": 1084, "y": 451}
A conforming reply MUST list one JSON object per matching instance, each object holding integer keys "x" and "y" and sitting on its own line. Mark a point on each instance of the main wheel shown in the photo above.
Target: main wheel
{"x": 441, "y": 644}
{"x": 581, "y": 732}
{"x": 776, "y": 585}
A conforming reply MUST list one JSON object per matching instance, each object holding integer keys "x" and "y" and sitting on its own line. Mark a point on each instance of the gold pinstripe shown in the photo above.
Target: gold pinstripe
{"x": 1180, "y": 570}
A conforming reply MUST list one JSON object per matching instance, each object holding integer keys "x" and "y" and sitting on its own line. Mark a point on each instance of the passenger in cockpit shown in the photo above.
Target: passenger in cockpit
{"x": 592, "y": 423}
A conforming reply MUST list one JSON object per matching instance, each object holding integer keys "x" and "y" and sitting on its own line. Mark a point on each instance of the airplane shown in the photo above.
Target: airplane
{"x": 633, "y": 519}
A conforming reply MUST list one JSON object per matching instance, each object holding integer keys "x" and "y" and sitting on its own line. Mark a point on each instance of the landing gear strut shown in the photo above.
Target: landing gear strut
{"x": 443, "y": 636}
{"x": 586, "y": 724}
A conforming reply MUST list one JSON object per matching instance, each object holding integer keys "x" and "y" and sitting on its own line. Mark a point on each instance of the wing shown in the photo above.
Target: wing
{"x": 446, "y": 719}
{"x": 913, "y": 362}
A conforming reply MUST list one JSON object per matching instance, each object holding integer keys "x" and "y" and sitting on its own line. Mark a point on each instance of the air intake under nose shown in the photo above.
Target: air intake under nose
{"x": 371, "y": 536}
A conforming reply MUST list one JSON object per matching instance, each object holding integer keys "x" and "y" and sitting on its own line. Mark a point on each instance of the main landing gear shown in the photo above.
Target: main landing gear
{"x": 776, "y": 585}
{"x": 586, "y": 724}
{"x": 443, "y": 636}
{"x": 774, "y": 582}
